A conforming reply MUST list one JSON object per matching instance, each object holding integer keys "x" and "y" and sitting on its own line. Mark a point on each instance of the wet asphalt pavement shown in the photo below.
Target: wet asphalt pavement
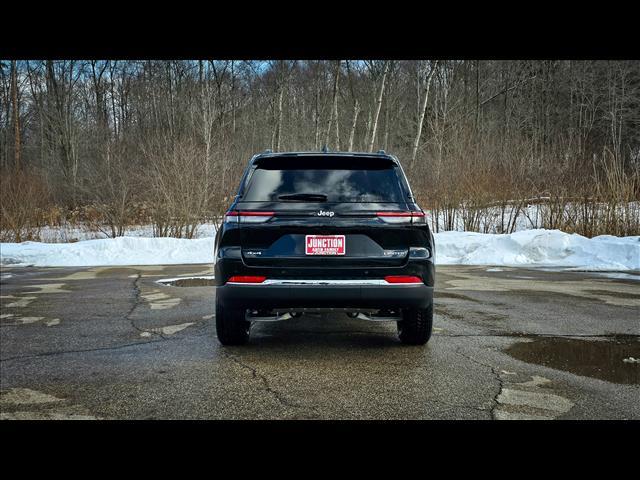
{"x": 508, "y": 343}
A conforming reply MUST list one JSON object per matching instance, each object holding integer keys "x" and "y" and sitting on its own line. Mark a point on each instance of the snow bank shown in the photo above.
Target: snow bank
{"x": 108, "y": 251}
{"x": 551, "y": 248}
{"x": 548, "y": 248}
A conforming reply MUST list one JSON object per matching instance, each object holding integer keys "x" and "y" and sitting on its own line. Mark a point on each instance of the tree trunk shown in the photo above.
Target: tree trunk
{"x": 477, "y": 94}
{"x": 368, "y": 130}
{"x": 385, "y": 142}
{"x": 206, "y": 121}
{"x": 423, "y": 111}
{"x": 16, "y": 115}
{"x": 356, "y": 111}
{"x": 378, "y": 106}
{"x": 233, "y": 99}
{"x": 276, "y": 141}
{"x": 317, "y": 117}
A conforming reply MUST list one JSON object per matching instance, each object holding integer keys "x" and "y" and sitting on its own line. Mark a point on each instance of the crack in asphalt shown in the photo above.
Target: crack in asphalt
{"x": 63, "y": 352}
{"x": 136, "y": 302}
{"x": 285, "y": 402}
{"x": 136, "y": 297}
{"x": 265, "y": 381}
{"x": 496, "y": 375}
{"x": 495, "y": 399}
{"x": 127, "y": 316}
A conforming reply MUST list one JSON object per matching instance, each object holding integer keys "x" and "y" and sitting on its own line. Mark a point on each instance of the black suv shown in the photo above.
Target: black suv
{"x": 311, "y": 232}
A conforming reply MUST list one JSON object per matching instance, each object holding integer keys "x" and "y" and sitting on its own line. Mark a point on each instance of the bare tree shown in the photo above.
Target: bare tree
{"x": 16, "y": 114}
{"x": 333, "y": 117}
{"x": 423, "y": 108}
{"x": 356, "y": 108}
{"x": 378, "y": 104}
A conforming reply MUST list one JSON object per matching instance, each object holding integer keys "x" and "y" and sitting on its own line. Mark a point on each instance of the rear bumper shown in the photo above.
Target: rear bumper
{"x": 336, "y": 295}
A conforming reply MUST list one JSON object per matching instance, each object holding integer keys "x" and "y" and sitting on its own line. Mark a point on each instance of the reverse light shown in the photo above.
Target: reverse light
{"x": 401, "y": 217}
{"x": 402, "y": 279}
{"x": 246, "y": 279}
{"x": 418, "y": 218}
{"x": 247, "y": 216}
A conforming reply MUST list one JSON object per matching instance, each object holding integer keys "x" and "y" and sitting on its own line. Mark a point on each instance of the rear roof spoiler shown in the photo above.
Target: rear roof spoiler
{"x": 351, "y": 155}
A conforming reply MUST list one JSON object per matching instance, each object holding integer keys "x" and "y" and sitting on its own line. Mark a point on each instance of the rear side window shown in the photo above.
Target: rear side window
{"x": 333, "y": 179}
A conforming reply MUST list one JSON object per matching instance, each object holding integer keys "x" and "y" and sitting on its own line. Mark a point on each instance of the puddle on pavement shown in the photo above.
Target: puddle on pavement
{"x": 602, "y": 359}
{"x": 188, "y": 282}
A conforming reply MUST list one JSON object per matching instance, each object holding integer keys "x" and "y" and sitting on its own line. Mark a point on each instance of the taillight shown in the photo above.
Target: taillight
{"x": 401, "y": 217}
{"x": 402, "y": 279}
{"x": 418, "y": 218}
{"x": 394, "y": 214}
{"x": 247, "y": 216}
{"x": 246, "y": 279}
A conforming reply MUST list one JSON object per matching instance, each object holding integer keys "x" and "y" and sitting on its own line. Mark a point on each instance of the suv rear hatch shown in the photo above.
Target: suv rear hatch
{"x": 324, "y": 212}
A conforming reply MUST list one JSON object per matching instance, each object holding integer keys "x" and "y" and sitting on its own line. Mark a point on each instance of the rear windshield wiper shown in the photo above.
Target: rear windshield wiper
{"x": 304, "y": 197}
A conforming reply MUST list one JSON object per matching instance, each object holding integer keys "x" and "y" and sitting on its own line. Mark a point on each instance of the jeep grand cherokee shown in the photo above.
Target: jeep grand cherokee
{"x": 311, "y": 232}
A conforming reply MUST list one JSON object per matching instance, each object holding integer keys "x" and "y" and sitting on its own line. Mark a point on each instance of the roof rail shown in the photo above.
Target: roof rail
{"x": 325, "y": 149}
{"x": 268, "y": 150}
{"x": 381, "y": 152}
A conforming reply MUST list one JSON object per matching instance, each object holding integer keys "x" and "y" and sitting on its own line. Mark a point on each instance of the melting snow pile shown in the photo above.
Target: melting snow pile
{"x": 548, "y": 248}
{"x": 108, "y": 251}
{"x": 540, "y": 247}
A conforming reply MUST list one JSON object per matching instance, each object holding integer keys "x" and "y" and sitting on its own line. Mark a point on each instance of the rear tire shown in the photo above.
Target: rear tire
{"x": 416, "y": 325}
{"x": 231, "y": 326}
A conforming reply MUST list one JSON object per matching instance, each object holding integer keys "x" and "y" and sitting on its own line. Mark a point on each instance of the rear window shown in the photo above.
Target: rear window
{"x": 338, "y": 179}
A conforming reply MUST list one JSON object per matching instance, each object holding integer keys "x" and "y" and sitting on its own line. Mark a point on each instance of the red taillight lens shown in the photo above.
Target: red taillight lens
{"x": 247, "y": 279}
{"x": 249, "y": 213}
{"x": 402, "y": 279}
{"x": 393, "y": 214}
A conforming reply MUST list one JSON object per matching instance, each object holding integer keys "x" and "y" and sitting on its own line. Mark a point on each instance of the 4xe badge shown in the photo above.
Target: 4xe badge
{"x": 325, "y": 213}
